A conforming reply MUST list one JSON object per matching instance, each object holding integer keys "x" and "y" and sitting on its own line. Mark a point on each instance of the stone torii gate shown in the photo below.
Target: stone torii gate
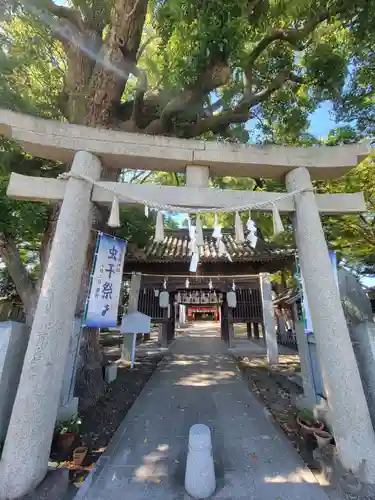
{"x": 25, "y": 455}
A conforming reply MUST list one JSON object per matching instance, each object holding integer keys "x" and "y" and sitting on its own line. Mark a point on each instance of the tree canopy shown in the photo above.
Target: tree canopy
{"x": 187, "y": 68}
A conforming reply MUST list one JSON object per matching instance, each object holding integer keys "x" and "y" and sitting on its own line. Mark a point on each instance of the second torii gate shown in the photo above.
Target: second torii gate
{"x": 25, "y": 455}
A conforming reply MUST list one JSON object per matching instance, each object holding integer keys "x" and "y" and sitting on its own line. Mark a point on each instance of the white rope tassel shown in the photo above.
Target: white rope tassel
{"x": 194, "y": 261}
{"x": 159, "y": 228}
{"x": 252, "y": 237}
{"x": 249, "y": 220}
{"x": 199, "y": 240}
{"x": 114, "y": 217}
{"x": 277, "y": 223}
{"x": 222, "y": 249}
{"x": 146, "y": 211}
{"x": 217, "y": 228}
{"x": 238, "y": 227}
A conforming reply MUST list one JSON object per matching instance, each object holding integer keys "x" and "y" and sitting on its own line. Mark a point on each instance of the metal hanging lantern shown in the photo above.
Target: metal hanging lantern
{"x": 232, "y": 299}
{"x": 164, "y": 299}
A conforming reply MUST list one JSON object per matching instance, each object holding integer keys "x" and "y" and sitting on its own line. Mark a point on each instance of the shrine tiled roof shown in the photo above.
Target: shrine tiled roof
{"x": 176, "y": 248}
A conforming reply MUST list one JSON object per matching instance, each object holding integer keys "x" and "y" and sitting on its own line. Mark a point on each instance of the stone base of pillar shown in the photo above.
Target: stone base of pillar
{"x": 249, "y": 330}
{"x": 37, "y": 400}
{"x": 269, "y": 331}
{"x": 363, "y": 339}
{"x": 351, "y": 422}
{"x": 256, "y": 331}
{"x": 13, "y": 343}
{"x": 126, "y": 348}
{"x": 163, "y": 335}
{"x": 55, "y": 485}
{"x": 338, "y": 478}
{"x": 307, "y": 369}
{"x": 70, "y": 371}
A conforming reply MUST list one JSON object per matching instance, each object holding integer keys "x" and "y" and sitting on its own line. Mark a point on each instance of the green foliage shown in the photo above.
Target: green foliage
{"x": 199, "y": 34}
{"x": 358, "y": 102}
{"x": 24, "y": 221}
{"x": 353, "y": 236}
{"x": 135, "y": 227}
{"x": 307, "y": 417}
{"x": 326, "y": 68}
{"x": 70, "y": 425}
{"x": 32, "y": 67}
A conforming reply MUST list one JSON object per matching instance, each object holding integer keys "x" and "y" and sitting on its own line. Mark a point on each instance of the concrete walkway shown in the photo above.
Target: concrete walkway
{"x": 197, "y": 382}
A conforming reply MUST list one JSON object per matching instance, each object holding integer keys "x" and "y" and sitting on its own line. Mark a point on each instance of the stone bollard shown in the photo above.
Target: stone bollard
{"x": 200, "y": 473}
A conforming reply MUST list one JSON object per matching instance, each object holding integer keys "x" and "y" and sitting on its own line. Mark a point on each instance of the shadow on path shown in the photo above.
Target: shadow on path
{"x": 198, "y": 382}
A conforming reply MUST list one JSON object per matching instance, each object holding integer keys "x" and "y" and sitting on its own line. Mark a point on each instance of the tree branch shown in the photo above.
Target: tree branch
{"x": 18, "y": 272}
{"x": 274, "y": 85}
{"x": 215, "y": 122}
{"x": 177, "y": 180}
{"x": 293, "y": 36}
{"x": 147, "y": 176}
{"x": 71, "y": 15}
{"x": 240, "y": 113}
{"x": 144, "y": 45}
{"x": 141, "y": 89}
{"x": 129, "y": 14}
{"x": 217, "y": 75}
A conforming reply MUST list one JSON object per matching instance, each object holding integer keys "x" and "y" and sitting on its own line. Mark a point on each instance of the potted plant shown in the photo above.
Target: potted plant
{"x": 323, "y": 438}
{"x": 67, "y": 431}
{"x": 79, "y": 455}
{"x": 308, "y": 423}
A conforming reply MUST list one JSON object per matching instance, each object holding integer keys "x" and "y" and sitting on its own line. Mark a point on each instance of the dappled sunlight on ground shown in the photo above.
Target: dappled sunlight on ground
{"x": 183, "y": 362}
{"x": 198, "y": 382}
{"x": 153, "y": 467}
{"x": 206, "y": 379}
{"x": 206, "y": 335}
{"x": 203, "y": 329}
{"x": 299, "y": 476}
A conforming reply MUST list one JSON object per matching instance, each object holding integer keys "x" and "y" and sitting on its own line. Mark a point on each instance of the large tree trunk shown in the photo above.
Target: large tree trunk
{"x": 89, "y": 378}
{"x": 105, "y": 89}
{"x": 93, "y": 89}
{"x": 25, "y": 287}
{"x": 89, "y": 381}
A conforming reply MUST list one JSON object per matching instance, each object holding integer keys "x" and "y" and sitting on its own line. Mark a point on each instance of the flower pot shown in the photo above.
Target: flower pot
{"x": 309, "y": 430}
{"x": 79, "y": 455}
{"x": 323, "y": 438}
{"x": 65, "y": 441}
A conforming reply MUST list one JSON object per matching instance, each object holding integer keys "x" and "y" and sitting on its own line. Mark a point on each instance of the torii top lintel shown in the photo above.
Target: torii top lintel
{"x": 59, "y": 141}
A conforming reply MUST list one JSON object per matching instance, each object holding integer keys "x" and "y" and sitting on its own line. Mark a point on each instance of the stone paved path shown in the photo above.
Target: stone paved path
{"x": 197, "y": 382}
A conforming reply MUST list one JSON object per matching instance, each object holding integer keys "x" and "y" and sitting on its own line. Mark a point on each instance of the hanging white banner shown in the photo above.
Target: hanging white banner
{"x": 103, "y": 302}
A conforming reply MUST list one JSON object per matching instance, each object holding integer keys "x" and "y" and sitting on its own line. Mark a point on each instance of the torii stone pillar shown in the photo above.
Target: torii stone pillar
{"x": 350, "y": 418}
{"x": 26, "y": 451}
{"x": 269, "y": 330}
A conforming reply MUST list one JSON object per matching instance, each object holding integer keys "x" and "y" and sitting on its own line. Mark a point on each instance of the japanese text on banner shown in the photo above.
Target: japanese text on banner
{"x": 106, "y": 281}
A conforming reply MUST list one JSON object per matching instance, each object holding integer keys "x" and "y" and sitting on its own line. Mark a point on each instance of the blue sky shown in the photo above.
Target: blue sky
{"x": 321, "y": 121}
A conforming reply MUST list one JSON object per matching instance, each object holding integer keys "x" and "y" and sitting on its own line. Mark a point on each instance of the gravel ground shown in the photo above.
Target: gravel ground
{"x": 100, "y": 422}
{"x": 278, "y": 393}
